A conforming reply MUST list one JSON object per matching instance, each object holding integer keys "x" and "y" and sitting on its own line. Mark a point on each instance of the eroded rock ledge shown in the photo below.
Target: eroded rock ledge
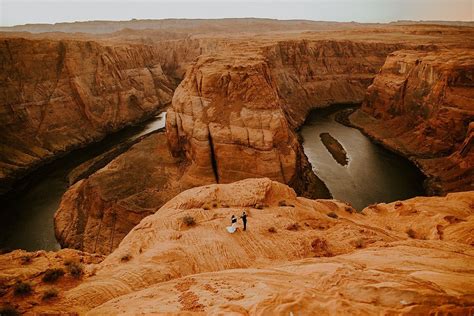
{"x": 422, "y": 106}
{"x": 298, "y": 254}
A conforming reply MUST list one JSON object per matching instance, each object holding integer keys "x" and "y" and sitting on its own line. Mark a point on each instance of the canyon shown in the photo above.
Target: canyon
{"x": 235, "y": 100}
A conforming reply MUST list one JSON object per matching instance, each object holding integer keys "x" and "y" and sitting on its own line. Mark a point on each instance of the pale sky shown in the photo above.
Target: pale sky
{"x": 14, "y": 12}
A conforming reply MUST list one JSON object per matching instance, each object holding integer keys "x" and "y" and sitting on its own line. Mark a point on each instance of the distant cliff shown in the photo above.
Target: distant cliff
{"x": 421, "y": 105}
{"x": 311, "y": 74}
{"x": 60, "y": 95}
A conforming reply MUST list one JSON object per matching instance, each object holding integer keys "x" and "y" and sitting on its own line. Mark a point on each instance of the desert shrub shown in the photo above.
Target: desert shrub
{"x": 321, "y": 248}
{"x": 349, "y": 209}
{"x": 74, "y": 268}
{"x": 215, "y": 205}
{"x": 126, "y": 257}
{"x": 22, "y": 288}
{"x": 49, "y": 294}
{"x": 294, "y": 226}
{"x": 332, "y": 215}
{"x": 189, "y": 221}
{"x": 284, "y": 203}
{"x": 8, "y": 310}
{"x": 52, "y": 275}
{"x": 359, "y": 243}
{"x": 206, "y": 207}
{"x": 411, "y": 233}
{"x": 26, "y": 259}
{"x": 259, "y": 206}
{"x": 272, "y": 230}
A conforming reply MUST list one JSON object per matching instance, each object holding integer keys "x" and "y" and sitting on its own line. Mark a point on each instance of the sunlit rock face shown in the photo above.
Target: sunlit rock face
{"x": 410, "y": 256}
{"x": 422, "y": 105}
{"x": 232, "y": 117}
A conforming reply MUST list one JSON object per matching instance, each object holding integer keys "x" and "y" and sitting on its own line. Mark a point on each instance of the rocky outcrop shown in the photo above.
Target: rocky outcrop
{"x": 227, "y": 121}
{"x": 97, "y": 212}
{"x": 402, "y": 278}
{"x": 60, "y": 95}
{"x": 421, "y": 105}
{"x": 409, "y": 256}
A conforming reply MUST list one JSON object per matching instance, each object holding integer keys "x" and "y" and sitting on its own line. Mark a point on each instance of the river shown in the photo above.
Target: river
{"x": 372, "y": 175}
{"x": 26, "y": 218}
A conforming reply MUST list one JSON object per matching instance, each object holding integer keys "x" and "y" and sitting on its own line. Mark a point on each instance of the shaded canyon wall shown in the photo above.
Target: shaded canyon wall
{"x": 60, "y": 95}
{"x": 422, "y": 106}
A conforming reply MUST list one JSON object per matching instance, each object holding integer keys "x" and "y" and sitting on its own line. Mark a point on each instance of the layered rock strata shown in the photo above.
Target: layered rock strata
{"x": 60, "y": 95}
{"x": 227, "y": 121}
{"x": 311, "y": 74}
{"x": 421, "y": 105}
{"x": 97, "y": 212}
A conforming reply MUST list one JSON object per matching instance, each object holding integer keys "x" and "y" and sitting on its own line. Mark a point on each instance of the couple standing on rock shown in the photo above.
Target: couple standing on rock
{"x": 231, "y": 229}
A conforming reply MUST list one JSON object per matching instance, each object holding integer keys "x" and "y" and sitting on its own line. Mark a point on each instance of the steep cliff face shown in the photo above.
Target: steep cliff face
{"x": 421, "y": 105}
{"x": 227, "y": 121}
{"x": 59, "y": 95}
{"x": 311, "y": 74}
{"x": 96, "y": 213}
{"x": 409, "y": 256}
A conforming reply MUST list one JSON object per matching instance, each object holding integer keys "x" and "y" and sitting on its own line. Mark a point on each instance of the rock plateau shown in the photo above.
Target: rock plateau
{"x": 298, "y": 255}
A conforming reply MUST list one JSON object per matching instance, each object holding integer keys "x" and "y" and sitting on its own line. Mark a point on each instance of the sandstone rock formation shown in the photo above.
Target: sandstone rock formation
{"x": 51, "y": 105}
{"x": 298, "y": 254}
{"x": 421, "y": 105}
{"x": 227, "y": 121}
{"x": 60, "y": 95}
{"x": 96, "y": 213}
